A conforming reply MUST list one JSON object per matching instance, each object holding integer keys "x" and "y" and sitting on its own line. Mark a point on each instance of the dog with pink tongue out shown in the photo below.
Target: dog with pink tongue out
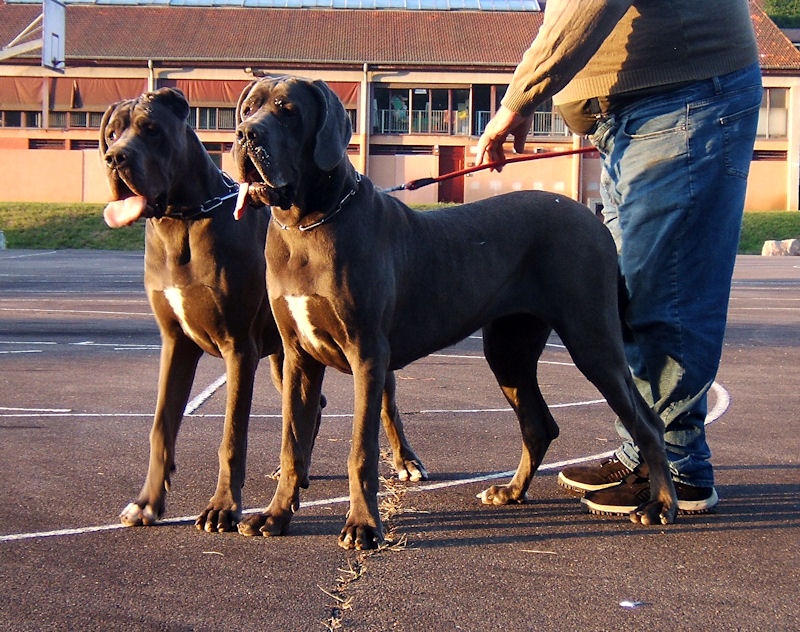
{"x": 205, "y": 280}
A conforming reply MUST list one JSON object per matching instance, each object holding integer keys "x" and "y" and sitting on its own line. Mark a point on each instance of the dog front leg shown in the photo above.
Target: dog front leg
{"x": 224, "y": 509}
{"x": 302, "y": 390}
{"x": 363, "y": 529}
{"x": 179, "y": 358}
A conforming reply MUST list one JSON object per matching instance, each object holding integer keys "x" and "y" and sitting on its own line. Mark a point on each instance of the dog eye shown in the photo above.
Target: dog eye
{"x": 111, "y": 136}
{"x": 150, "y": 128}
{"x": 282, "y": 105}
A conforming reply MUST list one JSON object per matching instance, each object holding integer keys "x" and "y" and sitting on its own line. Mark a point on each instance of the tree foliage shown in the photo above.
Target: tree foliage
{"x": 785, "y": 13}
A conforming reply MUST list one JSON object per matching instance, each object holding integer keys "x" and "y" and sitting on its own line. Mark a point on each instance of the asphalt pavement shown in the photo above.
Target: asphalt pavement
{"x": 78, "y": 369}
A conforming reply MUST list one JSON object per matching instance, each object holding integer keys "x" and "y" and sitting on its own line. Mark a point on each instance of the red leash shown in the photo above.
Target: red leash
{"x": 413, "y": 185}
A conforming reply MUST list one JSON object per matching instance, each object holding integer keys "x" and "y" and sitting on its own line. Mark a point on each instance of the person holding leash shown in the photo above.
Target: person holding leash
{"x": 669, "y": 92}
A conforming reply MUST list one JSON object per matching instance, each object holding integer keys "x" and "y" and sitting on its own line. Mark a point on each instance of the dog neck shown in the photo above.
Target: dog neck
{"x": 324, "y": 217}
{"x": 227, "y": 192}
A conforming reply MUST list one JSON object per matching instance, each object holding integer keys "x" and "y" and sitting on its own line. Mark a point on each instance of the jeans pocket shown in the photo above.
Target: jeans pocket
{"x": 738, "y": 131}
{"x": 652, "y": 117}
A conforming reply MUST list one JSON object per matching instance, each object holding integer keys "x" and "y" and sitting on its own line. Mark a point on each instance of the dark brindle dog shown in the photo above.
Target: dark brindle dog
{"x": 205, "y": 279}
{"x": 359, "y": 282}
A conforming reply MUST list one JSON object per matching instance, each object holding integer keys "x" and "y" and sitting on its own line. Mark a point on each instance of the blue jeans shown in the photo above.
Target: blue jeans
{"x": 673, "y": 187}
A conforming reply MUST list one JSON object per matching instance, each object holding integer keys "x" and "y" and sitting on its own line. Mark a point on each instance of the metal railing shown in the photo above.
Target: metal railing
{"x": 447, "y": 122}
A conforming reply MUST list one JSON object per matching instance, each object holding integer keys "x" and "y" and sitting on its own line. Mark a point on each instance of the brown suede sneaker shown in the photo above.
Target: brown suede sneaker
{"x": 594, "y": 476}
{"x": 634, "y": 491}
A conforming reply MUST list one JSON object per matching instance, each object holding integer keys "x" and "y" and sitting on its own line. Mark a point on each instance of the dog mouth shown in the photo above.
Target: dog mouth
{"x": 256, "y": 189}
{"x": 128, "y": 204}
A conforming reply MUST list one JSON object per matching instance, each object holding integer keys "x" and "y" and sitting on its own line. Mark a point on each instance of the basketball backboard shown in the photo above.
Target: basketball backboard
{"x": 53, "y": 34}
{"x": 47, "y": 32}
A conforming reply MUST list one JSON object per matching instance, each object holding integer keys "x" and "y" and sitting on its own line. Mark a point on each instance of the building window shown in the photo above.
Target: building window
{"x": 440, "y": 111}
{"x": 57, "y": 120}
{"x": 390, "y": 111}
{"x": 774, "y": 115}
{"x": 46, "y": 143}
{"x": 212, "y": 118}
{"x": 486, "y": 101}
{"x": 547, "y": 122}
{"x": 77, "y": 144}
{"x": 353, "y": 115}
{"x": 74, "y": 119}
{"x": 216, "y": 151}
{"x": 78, "y": 119}
{"x": 20, "y": 118}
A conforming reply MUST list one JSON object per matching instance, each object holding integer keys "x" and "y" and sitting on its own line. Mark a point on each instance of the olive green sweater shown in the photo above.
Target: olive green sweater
{"x": 594, "y": 48}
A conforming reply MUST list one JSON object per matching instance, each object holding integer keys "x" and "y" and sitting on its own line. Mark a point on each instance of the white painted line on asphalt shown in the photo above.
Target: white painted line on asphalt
{"x": 27, "y": 342}
{"x": 721, "y": 405}
{"x": 31, "y": 310}
{"x": 203, "y": 396}
{"x": 116, "y": 346}
{"x": 504, "y": 410}
{"x": 36, "y": 410}
{"x": 338, "y": 500}
{"x": 25, "y": 256}
{"x": 480, "y": 357}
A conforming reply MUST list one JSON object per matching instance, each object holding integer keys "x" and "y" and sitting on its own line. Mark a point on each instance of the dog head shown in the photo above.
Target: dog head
{"x": 289, "y": 132}
{"x": 142, "y": 144}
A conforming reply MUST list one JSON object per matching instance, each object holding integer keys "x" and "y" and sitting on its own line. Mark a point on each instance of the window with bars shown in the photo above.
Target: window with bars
{"x": 212, "y": 118}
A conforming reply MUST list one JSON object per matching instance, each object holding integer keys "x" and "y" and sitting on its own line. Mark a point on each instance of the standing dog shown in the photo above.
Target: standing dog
{"x": 205, "y": 280}
{"x": 360, "y": 282}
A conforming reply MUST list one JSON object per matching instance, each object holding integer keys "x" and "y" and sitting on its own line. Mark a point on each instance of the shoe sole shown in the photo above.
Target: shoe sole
{"x": 582, "y": 488}
{"x": 685, "y": 507}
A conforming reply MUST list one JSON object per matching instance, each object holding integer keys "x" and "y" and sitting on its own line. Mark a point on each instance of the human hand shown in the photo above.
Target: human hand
{"x": 503, "y": 123}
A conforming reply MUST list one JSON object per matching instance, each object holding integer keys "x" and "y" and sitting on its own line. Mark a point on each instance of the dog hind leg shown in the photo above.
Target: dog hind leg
{"x": 595, "y": 345}
{"x": 406, "y": 463}
{"x": 302, "y": 392}
{"x": 512, "y": 346}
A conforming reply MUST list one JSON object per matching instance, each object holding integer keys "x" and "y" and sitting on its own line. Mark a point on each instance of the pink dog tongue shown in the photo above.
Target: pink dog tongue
{"x": 241, "y": 201}
{"x": 123, "y": 212}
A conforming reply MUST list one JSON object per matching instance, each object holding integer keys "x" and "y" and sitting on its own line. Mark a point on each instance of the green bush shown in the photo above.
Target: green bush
{"x": 63, "y": 226}
{"x": 785, "y": 13}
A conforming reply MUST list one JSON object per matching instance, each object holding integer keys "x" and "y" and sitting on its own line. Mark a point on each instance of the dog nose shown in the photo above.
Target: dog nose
{"x": 115, "y": 159}
{"x": 246, "y": 133}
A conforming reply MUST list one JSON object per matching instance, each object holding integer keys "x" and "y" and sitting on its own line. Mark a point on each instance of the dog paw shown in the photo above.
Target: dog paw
{"x": 413, "y": 471}
{"x": 501, "y": 495}
{"x": 135, "y": 515}
{"x": 360, "y": 537}
{"x": 263, "y": 524}
{"x": 213, "y": 520}
{"x": 654, "y": 513}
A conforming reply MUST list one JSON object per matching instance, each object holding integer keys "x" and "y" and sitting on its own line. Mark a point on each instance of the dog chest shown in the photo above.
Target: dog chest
{"x": 177, "y": 301}
{"x": 316, "y": 327}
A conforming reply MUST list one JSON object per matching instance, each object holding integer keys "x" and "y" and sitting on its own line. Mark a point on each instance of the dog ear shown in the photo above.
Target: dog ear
{"x": 171, "y": 98}
{"x": 333, "y": 131}
{"x": 242, "y": 97}
{"x": 103, "y": 125}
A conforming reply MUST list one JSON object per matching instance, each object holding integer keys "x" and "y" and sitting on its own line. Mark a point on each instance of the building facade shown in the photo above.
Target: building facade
{"x": 419, "y": 86}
